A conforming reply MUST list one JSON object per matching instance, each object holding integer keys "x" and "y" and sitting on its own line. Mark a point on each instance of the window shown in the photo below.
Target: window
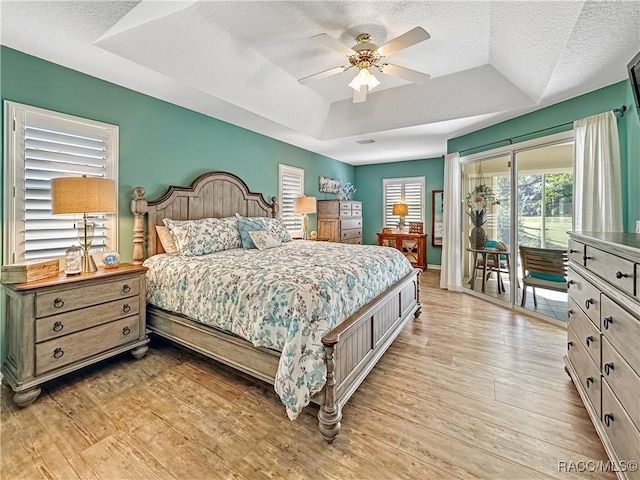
{"x": 403, "y": 190}
{"x": 42, "y": 145}
{"x": 290, "y": 186}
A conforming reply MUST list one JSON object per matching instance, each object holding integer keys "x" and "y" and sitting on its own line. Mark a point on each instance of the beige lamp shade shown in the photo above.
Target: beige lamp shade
{"x": 401, "y": 209}
{"x": 82, "y": 195}
{"x": 304, "y": 205}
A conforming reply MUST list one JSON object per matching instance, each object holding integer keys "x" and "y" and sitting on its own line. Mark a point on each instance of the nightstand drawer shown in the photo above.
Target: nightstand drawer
{"x": 51, "y": 303}
{"x": 81, "y": 319}
{"x": 62, "y": 351}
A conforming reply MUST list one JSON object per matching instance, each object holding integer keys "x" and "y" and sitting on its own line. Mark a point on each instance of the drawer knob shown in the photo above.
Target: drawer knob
{"x": 619, "y": 274}
{"x": 588, "y": 340}
{"x": 608, "y": 418}
{"x": 607, "y": 321}
{"x": 58, "y": 326}
{"x": 587, "y": 257}
{"x": 588, "y": 302}
{"x": 126, "y": 331}
{"x": 58, "y": 352}
{"x": 126, "y": 288}
{"x": 569, "y": 345}
{"x": 569, "y": 283}
{"x": 58, "y": 303}
{"x": 569, "y": 313}
{"x": 589, "y": 381}
{"x": 126, "y": 308}
{"x": 608, "y": 367}
{"x": 571, "y": 250}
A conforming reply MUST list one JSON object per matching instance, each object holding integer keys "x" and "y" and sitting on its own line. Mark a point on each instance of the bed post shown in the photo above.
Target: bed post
{"x": 419, "y": 309}
{"x": 138, "y": 208}
{"x": 330, "y": 414}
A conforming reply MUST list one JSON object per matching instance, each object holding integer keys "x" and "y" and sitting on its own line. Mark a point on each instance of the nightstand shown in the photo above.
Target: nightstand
{"x": 412, "y": 245}
{"x": 60, "y": 324}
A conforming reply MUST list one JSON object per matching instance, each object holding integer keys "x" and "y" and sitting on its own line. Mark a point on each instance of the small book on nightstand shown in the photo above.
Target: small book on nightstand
{"x": 29, "y": 271}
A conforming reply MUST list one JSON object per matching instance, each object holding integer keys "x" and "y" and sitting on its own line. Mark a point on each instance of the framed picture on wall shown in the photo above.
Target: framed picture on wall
{"x": 436, "y": 217}
{"x": 330, "y": 185}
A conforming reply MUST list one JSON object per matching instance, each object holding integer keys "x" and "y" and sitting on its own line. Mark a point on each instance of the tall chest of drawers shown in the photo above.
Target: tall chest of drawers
{"x": 340, "y": 221}
{"x": 603, "y": 344}
{"x": 60, "y": 324}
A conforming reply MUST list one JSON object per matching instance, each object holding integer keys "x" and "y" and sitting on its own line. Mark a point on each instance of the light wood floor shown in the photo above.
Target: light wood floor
{"x": 469, "y": 390}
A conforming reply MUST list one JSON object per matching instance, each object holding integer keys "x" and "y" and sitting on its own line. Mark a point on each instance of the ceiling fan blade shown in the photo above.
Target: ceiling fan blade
{"x": 326, "y": 73}
{"x": 405, "y": 40}
{"x": 331, "y": 42}
{"x": 360, "y": 96}
{"x": 405, "y": 73}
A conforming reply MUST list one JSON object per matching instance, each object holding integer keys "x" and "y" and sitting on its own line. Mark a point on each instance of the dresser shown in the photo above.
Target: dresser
{"x": 340, "y": 221}
{"x": 603, "y": 344}
{"x": 412, "y": 245}
{"x": 60, "y": 324}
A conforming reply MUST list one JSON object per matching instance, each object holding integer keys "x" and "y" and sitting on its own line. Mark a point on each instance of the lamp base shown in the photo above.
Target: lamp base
{"x": 88, "y": 265}
{"x": 401, "y": 224}
{"x": 305, "y": 227}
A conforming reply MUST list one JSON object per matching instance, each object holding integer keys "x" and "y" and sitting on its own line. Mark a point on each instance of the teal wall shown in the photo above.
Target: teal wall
{"x": 161, "y": 144}
{"x": 368, "y": 180}
{"x": 576, "y": 108}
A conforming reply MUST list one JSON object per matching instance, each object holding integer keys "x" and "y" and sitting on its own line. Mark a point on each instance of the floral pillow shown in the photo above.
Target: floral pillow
{"x": 264, "y": 240}
{"x": 207, "y": 235}
{"x": 277, "y": 228}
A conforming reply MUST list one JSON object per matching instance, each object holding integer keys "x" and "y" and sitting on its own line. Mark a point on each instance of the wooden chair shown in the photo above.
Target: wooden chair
{"x": 543, "y": 268}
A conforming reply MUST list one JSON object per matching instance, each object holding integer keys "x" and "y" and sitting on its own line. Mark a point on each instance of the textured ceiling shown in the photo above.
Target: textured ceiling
{"x": 239, "y": 61}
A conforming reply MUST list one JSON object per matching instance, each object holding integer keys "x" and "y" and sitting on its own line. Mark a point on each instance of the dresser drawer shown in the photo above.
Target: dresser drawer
{"x": 352, "y": 233}
{"x": 62, "y": 351}
{"x": 614, "y": 270}
{"x": 588, "y": 373}
{"x": 353, "y": 241}
{"x": 352, "y": 223}
{"x": 356, "y": 208}
{"x": 622, "y": 434}
{"x": 576, "y": 252}
{"x": 622, "y": 330}
{"x": 622, "y": 380}
{"x": 587, "y": 333}
{"x": 81, "y": 319}
{"x": 585, "y": 295}
{"x": 345, "y": 213}
{"x": 51, "y": 303}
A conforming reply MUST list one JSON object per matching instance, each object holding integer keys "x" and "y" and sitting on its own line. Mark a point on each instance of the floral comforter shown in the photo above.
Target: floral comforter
{"x": 284, "y": 298}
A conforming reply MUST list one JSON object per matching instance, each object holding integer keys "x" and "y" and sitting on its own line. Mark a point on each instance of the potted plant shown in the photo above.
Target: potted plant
{"x": 477, "y": 203}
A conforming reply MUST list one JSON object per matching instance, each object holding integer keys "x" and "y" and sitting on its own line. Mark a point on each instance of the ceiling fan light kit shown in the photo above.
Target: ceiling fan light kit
{"x": 365, "y": 55}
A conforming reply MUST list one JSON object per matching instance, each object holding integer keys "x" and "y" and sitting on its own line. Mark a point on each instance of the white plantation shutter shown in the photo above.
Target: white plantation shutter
{"x": 291, "y": 185}
{"x": 403, "y": 190}
{"x": 45, "y": 145}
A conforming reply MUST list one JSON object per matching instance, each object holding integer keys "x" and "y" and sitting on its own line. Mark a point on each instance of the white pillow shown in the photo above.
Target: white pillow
{"x": 264, "y": 240}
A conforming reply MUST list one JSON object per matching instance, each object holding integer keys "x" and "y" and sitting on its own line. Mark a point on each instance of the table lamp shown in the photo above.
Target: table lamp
{"x": 305, "y": 205}
{"x": 401, "y": 209}
{"x": 83, "y": 195}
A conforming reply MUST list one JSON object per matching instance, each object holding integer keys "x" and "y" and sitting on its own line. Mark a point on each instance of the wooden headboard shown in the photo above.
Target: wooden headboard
{"x": 211, "y": 195}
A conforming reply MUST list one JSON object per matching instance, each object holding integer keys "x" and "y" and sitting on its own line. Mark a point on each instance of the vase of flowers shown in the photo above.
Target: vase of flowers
{"x": 347, "y": 189}
{"x": 478, "y": 201}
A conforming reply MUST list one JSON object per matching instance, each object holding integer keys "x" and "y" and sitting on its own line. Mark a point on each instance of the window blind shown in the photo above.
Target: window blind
{"x": 46, "y": 145}
{"x": 404, "y": 190}
{"x": 291, "y": 186}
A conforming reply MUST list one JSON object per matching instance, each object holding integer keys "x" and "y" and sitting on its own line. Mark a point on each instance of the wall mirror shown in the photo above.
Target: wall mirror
{"x": 436, "y": 217}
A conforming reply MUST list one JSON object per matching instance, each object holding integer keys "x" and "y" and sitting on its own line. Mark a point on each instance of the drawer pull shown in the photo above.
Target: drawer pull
{"x": 126, "y": 288}
{"x": 58, "y": 352}
{"x": 569, "y": 283}
{"x": 619, "y": 274}
{"x": 586, "y": 257}
{"x": 588, "y": 302}
{"x": 588, "y": 340}
{"x": 569, "y": 313}
{"x": 607, "y": 321}
{"x": 126, "y": 308}
{"x": 608, "y": 418}
{"x": 126, "y": 331}
{"x": 608, "y": 367}
{"x": 58, "y": 326}
{"x": 589, "y": 381}
{"x": 571, "y": 250}
{"x": 569, "y": 345}
{"x": 58, "y": 303}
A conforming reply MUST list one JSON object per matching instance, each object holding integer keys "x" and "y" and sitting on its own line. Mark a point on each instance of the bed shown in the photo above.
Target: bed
{"x": 350, "y": 349}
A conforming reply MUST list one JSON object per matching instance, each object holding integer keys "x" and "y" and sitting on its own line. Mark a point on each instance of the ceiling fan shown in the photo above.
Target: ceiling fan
{"x": 366, "y": 55}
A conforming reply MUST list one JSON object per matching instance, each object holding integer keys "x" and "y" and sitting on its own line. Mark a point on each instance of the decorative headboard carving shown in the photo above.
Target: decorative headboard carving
{"x": 211, "y": 195}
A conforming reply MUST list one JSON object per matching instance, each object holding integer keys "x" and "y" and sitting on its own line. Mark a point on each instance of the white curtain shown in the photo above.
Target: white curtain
{"x": 598, "y": 186}
{"x": 451, "y": 269}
